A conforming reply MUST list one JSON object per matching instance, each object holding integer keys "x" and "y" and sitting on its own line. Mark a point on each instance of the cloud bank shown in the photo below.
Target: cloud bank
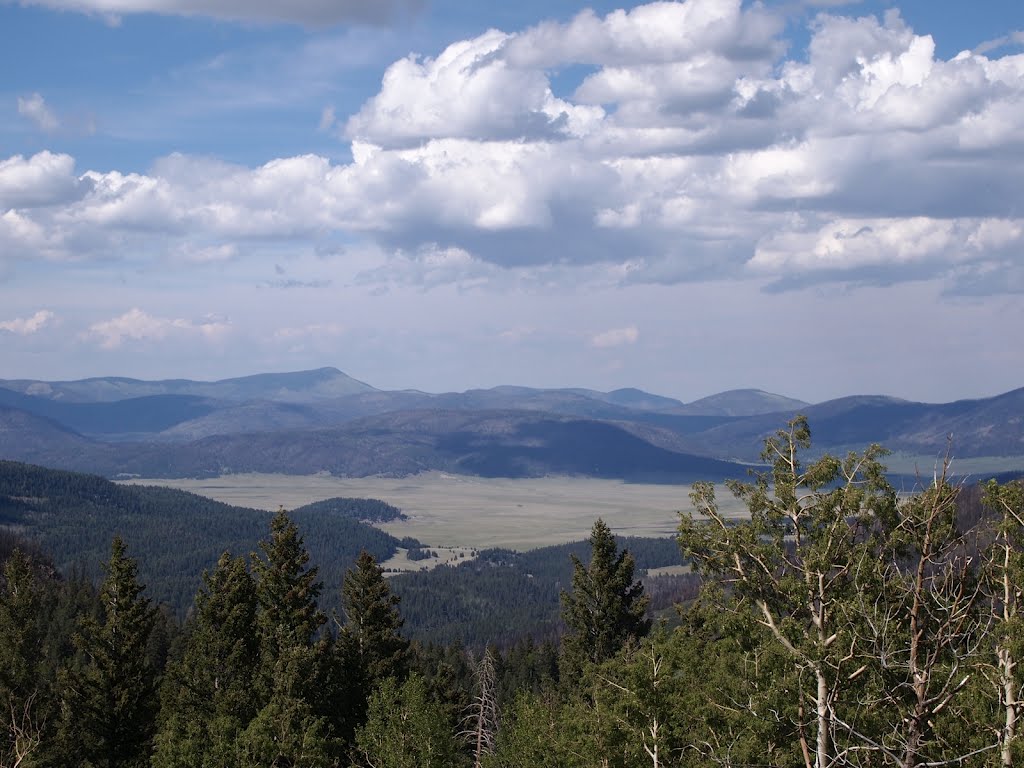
{"x": 692, "y": 147}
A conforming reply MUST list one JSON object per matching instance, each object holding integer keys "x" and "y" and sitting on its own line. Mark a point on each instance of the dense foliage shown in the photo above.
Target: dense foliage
{"x": 175, "y": 534}
{"x": 840, "y": 624}
{"x": 503, "y": 597}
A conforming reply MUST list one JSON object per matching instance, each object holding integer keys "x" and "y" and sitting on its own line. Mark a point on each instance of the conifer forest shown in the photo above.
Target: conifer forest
{"x": 840, "y": 622}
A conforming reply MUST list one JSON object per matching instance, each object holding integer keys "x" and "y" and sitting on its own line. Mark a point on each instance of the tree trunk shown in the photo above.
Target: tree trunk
{"x": 823, "y": 758}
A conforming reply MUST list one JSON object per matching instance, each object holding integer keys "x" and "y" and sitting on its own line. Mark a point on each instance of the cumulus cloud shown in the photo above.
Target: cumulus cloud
{"x": 137, "y": 325}
{"x": 43, "y": 179}
{"x": 308, "y": 12}
{"x": 35, "y": 109}
{"x": 467, "y": 91}
{"x": 615, "y": 337}
{"x": 693, "y": 148}
{"x": 25, "y": 326}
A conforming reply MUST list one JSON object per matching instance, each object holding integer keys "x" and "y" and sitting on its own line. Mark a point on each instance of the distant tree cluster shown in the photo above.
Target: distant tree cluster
{"x": 364, "y": 510}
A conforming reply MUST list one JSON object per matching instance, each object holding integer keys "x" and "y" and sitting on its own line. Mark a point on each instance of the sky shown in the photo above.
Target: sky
{"x": 813, "y": 197}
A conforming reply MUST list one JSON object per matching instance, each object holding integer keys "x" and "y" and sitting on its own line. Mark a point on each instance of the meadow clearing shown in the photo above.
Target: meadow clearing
{"x": 462, "y": 511}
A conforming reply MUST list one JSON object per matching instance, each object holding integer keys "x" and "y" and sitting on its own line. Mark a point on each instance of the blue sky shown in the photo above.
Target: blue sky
{"x": 816, "y": 198}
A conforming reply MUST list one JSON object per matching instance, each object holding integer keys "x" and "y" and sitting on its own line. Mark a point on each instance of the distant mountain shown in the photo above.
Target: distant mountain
{"x": 244, "y": 418}
{"x": 635, "y": 399}
{"x": 299, "y": 386}
{"x": 743, "y": 402}
{"x": 324, "y": 420}
{"x": 137, "y": 415}
{"x": 987, "y": 427}
{"x": 27, "y": 437}
{"x": 487, "y": 443}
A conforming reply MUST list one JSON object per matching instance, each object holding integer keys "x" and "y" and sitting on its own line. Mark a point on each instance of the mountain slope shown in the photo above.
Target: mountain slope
{"x": 297, "y": 386}
{"x": 154, "y": 413}
{"x": 489, "y": 443}
{"x": 742, "y": 402}
{"x": 988, "y": 427}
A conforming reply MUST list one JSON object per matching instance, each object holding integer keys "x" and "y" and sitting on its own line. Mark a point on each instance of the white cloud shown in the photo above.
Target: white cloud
{"x": 25, "y": 326}
{"x": 1015, "y": 37}
{"x": 852, "y": 244}
{"x": 468, "y": 91}
{"x": 616, "y": 337}
{"x": 309, "y": 12}
{"x": 691, "y": 150}
{"x": 35, "y": 109}
{"x": 137, "y": 325}
{"x": 43, "y": 179}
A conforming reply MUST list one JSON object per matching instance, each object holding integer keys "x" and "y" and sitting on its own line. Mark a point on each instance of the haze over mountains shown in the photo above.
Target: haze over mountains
{"x": 326, "y": 421}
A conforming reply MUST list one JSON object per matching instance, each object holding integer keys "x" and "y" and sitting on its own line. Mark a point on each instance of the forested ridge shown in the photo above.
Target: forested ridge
{"x": 175, "y": 534}
{"x": 840, "y": 624}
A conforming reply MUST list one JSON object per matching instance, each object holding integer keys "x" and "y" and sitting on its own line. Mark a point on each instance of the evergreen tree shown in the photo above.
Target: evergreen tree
{"x": 373, "y": 622}
{"x": 288, "y": 729}
{"x": 406, "y": 729}
{"x": 23, "y": 689}
{"x": 109, "y": 704}
{"x": 207, "y": 696}
{"x": 286, "y": 590}
{"x": 606, "y": 607}
{"x": 369, "y": 648}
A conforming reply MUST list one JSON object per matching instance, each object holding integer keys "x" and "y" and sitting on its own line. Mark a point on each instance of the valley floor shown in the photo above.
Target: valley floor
{"x": 464, "y": 511}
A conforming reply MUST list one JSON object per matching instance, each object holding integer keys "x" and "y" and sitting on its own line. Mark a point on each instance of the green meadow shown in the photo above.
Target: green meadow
{"x": 462, "y": 511}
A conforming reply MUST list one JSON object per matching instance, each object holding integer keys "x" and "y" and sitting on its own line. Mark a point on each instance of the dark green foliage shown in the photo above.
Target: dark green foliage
{"x": 286, "y": 589}
{"x": 364, "y": 510}
{"x": 607, "y": 607}
{"x": 109, "y": 703}
{"x": 207, "y": 696}
{"x": 287, "y": 729}
{"x": 406, "y": 729}
{"x": 25, "y": 695}
{"x": 504, "y": 596}
{"x": 176, "y": 535}
{"x": 372, "y": 623}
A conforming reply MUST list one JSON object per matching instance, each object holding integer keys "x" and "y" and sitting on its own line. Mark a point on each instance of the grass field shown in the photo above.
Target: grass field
{"x": 461, "y": 511}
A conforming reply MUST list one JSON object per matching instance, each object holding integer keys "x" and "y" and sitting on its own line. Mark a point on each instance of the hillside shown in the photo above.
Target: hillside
{"x": 298, "y": 386}
{"x": 988, "y": 427}
{"x": 743, "y": 402}
{"x": 175, "y": 534}
{"x": 486, "y": 443}
{"x": 325, "y": 421}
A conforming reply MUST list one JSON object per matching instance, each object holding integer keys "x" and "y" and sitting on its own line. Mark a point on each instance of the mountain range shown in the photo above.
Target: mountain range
{"x": 326, "y": 421}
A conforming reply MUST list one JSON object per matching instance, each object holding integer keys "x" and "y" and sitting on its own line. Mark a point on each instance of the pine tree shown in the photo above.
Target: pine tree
{"x": 606, "y": 607}
{"x": 373, "y": 622}
{"x": 288, "y": 729}
{"x": 109, "y": 704}
{"x": 287, "y": 591}
{"x": 369, "y": 648}
{"x": 23, "y": 691}
{"x": 207, "y": 696}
